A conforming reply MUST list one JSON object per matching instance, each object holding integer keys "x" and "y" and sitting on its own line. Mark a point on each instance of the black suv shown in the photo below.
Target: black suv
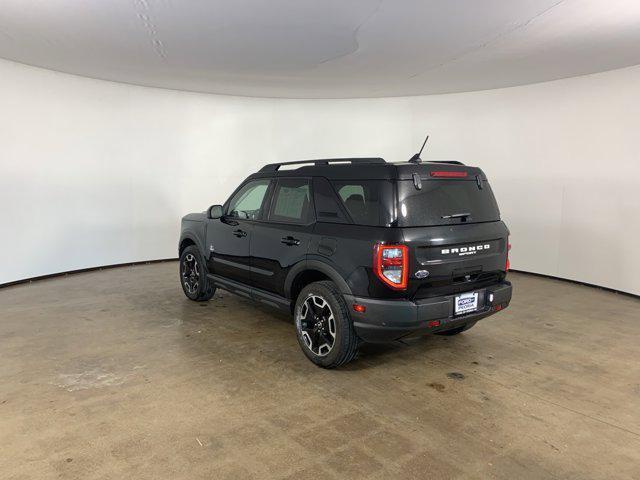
{"x": 357, "y": 249}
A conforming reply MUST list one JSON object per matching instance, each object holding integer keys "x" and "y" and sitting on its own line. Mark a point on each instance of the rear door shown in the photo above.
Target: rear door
{"x": 456, "y": 239}
{"x": 229, "y": 237}
{"x": 282, "y": 240}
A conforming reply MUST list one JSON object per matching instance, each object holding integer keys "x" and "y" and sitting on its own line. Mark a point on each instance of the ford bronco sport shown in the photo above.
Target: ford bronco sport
{"x": 359, "y": 250}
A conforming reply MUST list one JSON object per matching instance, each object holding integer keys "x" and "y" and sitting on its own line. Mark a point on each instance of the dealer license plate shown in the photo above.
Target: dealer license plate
{"x": 465, "y": 303}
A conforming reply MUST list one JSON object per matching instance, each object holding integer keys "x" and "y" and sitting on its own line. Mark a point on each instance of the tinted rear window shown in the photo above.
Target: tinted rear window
{"x": 441, "y": 198}
{"x": 369, "y": 202}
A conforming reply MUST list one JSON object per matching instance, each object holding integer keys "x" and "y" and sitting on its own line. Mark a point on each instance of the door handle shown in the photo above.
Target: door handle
{"x": 240, "y": 233}
{"x": 290, "y": 240}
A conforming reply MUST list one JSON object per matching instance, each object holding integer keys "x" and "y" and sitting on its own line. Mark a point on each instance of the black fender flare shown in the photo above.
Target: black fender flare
{"x": 189, "y": 235}
{"x": 322, "y": 267}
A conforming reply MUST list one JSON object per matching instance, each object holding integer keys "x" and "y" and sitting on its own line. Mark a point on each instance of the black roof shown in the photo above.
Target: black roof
{"x": 362, "y": 168}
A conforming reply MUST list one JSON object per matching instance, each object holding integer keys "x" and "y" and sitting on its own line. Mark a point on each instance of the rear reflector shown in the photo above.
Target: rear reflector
{"x": 359, "y": 308}
{"x": 442, "y": 174}
{"x": 434, "y": 323}
{"x": 391, "y": 265}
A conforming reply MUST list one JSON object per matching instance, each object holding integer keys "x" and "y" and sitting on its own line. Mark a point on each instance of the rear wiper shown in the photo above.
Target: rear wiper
{"x": 456, "y": 215}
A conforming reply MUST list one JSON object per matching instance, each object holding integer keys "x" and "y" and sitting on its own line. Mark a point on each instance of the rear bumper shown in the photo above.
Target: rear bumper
{"x": 387, "y": 320}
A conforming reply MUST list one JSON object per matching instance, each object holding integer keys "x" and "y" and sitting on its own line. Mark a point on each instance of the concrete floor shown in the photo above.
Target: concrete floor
{"x": 114, "y": 374}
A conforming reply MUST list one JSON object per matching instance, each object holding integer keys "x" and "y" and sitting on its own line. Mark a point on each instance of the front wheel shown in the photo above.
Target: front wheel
{"x": 193, "y": 276}
{"x": 324, "y": 328}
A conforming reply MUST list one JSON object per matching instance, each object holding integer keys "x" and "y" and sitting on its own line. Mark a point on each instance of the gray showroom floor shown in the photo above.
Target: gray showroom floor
{"x": 114, "y": 374}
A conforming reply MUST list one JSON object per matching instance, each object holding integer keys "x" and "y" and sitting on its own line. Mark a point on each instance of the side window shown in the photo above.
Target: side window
{"x": 326, "y": 202}
{"x": 291, "y": 201}
{"x": 369, "y": 202}
{"x": 247, "y": 202}
{"x": 352, "y": 192}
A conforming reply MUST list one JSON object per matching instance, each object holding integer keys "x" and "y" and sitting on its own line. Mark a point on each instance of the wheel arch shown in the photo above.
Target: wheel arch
{"x": 188, "y": 239}
{"x": 309, "y": 271}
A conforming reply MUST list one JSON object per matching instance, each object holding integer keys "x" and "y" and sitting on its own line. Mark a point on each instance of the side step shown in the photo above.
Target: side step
{"x": 256, "y": 294}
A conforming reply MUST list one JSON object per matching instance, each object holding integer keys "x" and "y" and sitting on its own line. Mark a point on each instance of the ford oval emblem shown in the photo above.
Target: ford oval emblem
{"x": 422, "y": 274}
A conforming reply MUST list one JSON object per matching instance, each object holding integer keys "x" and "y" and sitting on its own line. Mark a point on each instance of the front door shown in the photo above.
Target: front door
{"x": 229, "y": 237}
{"x": 282, "y": 239}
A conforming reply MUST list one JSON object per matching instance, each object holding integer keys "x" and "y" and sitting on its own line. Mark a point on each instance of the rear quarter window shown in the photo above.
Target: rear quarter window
{"x": 368, "y": 202}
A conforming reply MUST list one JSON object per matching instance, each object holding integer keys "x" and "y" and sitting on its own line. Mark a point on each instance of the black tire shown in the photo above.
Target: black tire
{"x": 456, "y": 331}
{"x": 193, "y": 275}
{"x": 345, "y": 341}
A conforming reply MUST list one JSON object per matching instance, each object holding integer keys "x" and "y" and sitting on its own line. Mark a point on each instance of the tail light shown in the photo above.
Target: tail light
{"x": 391, "y": 265}
{"x": 508, "y": 265}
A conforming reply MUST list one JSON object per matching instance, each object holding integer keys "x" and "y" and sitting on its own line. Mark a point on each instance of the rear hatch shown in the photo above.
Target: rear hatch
{"x": 451, "y": 224}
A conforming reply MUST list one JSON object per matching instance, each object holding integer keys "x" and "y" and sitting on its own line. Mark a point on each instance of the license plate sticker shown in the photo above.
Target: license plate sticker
{"x": 465, "y": 303}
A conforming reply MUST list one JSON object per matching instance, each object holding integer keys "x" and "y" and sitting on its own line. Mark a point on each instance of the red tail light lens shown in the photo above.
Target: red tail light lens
{"x": 442, "y": 174}
{"x": 391, "y": 265}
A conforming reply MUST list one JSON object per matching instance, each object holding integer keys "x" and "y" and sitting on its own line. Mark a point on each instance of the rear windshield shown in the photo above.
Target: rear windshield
{"x": 438, "y": 200}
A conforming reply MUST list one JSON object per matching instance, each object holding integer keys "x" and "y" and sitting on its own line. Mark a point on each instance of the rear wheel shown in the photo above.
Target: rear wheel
{"x": 324, "y": 328}
{"x": 456, "y": 331}
{"x": 193, "y": 276}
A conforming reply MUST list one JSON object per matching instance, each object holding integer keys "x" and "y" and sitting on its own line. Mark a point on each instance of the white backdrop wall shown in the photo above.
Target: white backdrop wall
{"x": 97, "y": 173}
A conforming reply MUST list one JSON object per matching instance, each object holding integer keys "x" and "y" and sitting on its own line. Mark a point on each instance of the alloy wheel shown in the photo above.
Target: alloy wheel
{"x": 190, "y": 274}
{"x": 316, "y": 325}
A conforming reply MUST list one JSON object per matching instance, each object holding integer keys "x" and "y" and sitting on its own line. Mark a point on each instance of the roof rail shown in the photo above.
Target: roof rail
{"x": 274, "y": 167}
{"x": 453, "y": 162}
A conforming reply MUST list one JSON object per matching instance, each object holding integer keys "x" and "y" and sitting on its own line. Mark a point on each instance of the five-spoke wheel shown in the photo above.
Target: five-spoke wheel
{"x": 324, "y": 328}
{"x": 190, "y": 273}
{"x": 193, "y": 275}
{"x": 317, "y": 325}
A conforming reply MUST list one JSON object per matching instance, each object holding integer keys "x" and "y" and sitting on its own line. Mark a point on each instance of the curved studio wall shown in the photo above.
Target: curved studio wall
{"x": 98, "y": 173}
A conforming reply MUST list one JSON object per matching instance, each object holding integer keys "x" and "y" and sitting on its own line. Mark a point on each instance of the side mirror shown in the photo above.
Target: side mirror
{"x": 215, "y": 211}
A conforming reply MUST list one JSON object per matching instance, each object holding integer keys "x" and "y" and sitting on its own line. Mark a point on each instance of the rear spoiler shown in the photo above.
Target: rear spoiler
{"x": 452, "y": 162}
